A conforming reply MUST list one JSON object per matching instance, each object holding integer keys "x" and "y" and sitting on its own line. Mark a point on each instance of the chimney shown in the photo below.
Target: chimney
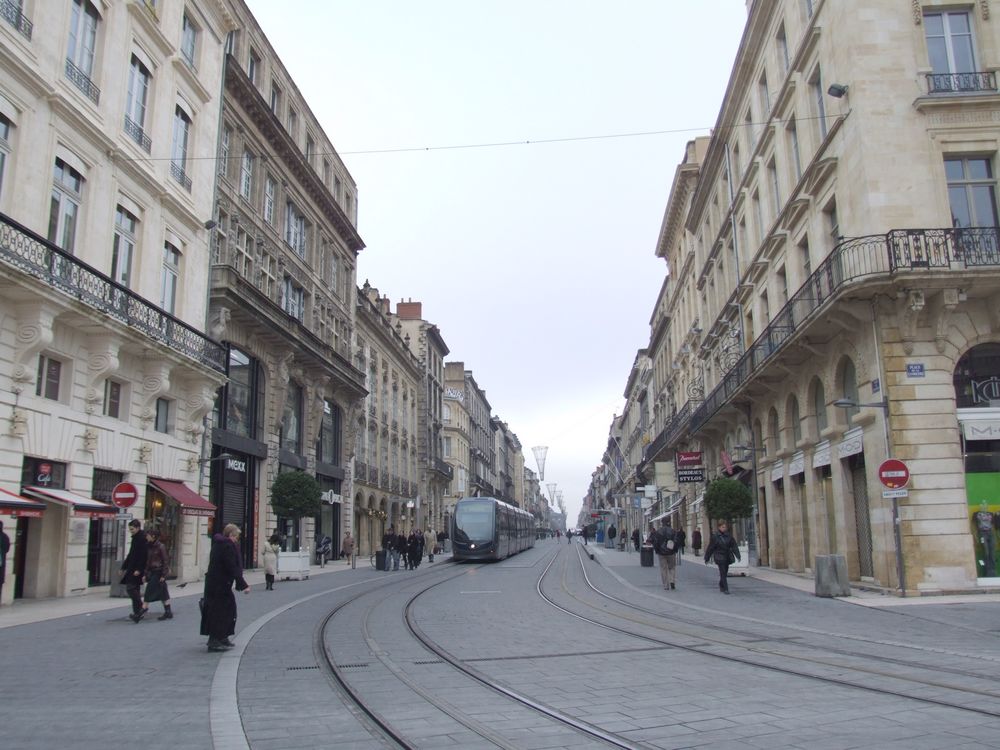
{"x": 409, "y": 310}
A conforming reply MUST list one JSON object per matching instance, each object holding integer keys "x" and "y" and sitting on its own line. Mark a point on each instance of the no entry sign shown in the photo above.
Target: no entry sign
{"x": 893, "y": 473}
{"x": 124, "y": 495}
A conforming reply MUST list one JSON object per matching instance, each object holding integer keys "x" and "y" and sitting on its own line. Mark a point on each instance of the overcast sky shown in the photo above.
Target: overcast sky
{"x": 536, "y": 261}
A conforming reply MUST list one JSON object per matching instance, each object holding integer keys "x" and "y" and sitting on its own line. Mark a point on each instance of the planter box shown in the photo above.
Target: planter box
{"x": 293, "y": 565}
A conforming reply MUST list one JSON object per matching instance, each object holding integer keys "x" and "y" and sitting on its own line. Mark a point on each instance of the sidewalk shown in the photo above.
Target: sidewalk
{"x": 799, "y": 581}
{"x": 26, "y": 611}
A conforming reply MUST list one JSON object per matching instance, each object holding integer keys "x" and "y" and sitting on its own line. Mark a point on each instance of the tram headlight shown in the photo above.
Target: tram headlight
{"x": 472, "y": 546}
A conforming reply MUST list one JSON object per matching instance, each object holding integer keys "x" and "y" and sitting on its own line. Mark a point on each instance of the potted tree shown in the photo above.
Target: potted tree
{"x": 294, "y": 495}
{"x": 727, "y": 499}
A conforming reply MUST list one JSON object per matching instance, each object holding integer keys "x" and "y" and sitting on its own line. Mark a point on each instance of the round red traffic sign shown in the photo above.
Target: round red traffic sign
{"x": 124, "y": 495}
{"x": 893, "y": 473}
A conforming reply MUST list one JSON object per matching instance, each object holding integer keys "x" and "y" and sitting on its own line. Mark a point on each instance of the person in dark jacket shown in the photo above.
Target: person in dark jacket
{"x": 390, "y": 543}
{"x": 681, "y": 543}
{"x": 723, "y": 550}
{"x": 636, "y": 538}
{"x": 665, "y": 547}
{"x": 133, "y": 568}
{"x": 225, "y": 567}
{"x": 696, "y": 540}
{"x": 157, "y": 571}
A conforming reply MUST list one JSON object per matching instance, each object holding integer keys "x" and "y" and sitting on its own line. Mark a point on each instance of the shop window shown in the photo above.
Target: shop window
{"x": 43, "y": 473}
{"x": 977, "y": 377}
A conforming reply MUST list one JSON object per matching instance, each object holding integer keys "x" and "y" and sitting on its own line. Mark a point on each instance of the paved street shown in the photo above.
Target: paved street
{"x": 77, "y": 671}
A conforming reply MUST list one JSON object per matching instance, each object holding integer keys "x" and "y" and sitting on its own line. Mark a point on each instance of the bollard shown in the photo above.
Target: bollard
{"x": 831, "y": 576}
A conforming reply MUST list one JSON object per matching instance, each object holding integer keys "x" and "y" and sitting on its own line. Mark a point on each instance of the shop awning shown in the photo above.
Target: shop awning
{"x": 192, "y": 504}
{"x": 17, "y": 506}
{"x": 83, "y": 507}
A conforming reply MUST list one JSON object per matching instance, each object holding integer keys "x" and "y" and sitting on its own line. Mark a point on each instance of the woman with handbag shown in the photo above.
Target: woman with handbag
{"x": 157, "y": 570}
{"x": 724, "y": 551}
{"x": 225, "y": 567}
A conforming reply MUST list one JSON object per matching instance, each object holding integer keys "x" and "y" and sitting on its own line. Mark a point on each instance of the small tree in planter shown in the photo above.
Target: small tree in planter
{"x": 295, "y": 494}
{"x": 727, "y": 499}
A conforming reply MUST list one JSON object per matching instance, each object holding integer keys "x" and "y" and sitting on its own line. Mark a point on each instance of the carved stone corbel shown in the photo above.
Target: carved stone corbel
{"x": 219, "y": 323}
{"x": 946, "y": 303}
{"x": 984, "y": 8}
{"x": 912, "y": 305}
{"x": 319, "y": 396}
{"x": 102, "y": 362}
{"x": 279, "y": 380}
{"x": 918, "y": 12}
{"x": 34, "y": 333}
{"x": 199, "y": 402}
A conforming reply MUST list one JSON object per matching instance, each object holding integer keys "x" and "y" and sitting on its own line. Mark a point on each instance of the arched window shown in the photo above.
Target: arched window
{"x": 977, "y": 377}
{"x": 819, "y": 405}
{"x": 773, "y": 439}
{"x": 794, "y": 419}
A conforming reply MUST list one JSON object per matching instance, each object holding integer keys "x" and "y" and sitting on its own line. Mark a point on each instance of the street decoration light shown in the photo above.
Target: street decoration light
{"x": 540, "y": 452}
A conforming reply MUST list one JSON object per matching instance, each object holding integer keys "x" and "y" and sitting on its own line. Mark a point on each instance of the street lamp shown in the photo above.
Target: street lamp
{"x": 540, "y": 452}
{"x": 846, "y": 403}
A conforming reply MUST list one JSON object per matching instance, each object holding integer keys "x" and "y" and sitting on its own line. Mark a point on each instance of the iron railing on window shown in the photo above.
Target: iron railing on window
{"x": 31, "y": 254}
{"x": 945, "y": 83}
{"x": 137, "y": 134}
{"x": 178, "y": 173}
{"x": 11, "y": 13}
{"x": 82, "y": 81}
{"x": 361, "y": 470}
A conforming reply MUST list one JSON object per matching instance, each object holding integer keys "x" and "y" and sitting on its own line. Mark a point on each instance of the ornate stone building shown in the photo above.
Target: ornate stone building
{"x": 457, "y": 436}
{"x": 834, "y": 274}
{"x": 386, "y": 465}
{"x": 283, "y": 298}
{"x": 107, "y": 114}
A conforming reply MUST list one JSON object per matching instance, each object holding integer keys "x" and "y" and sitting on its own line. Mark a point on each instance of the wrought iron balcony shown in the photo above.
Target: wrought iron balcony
{"x": 35, "y": 256}
{"x": 954, "y": 83}
{"x": 372, "y": 475}
{"x": 11, "y": 13}
{"x": 177, "y": 172}
{"x": 361, "y": 470}
{"x": 395, "y": 486}
{"x": 443, "y": 468}
{"x": 82, "y": 81}
{"x": 134, "y": 131}
{"x": 898, "y": 251}
{"x": 669, "y": 433}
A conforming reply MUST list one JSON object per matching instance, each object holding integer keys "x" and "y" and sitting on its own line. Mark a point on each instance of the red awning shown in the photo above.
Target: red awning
{"x": 17, "y": 506}
{"x": 192, "y": 504}
{"x": 83, "y": 507}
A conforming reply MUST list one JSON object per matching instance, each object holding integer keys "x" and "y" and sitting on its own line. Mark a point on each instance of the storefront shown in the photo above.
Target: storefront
{"x": 977, "y": 393}
{"x": 233, "y": 490}
{"x": 176, "y": 510}
{"x": 17, "y": 514}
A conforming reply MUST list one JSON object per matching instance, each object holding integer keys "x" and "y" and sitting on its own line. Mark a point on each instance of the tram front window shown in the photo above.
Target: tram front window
{"x": 474, "y": 522}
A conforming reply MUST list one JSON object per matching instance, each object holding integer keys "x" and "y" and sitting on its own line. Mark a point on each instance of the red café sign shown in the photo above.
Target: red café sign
{"x": 688, "y": 458}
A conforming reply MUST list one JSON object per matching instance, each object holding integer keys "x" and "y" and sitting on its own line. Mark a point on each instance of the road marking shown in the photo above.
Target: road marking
{"x": 480, "y": 592}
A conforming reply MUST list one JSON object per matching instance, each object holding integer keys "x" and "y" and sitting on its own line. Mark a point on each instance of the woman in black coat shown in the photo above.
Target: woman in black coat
{"x": 724, "y": 551}
{"x": 225, "y": 567}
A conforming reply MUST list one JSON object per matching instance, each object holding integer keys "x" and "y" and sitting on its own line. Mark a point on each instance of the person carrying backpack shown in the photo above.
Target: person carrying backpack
{"x": 665, "y": 547}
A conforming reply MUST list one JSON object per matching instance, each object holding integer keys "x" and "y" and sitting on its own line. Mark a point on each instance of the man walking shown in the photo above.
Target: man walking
{"x": 665, "y": 546}
{"x": 390, "y": 547}
{"x": 133, "y": 568}
{"x": 723, "y": 550}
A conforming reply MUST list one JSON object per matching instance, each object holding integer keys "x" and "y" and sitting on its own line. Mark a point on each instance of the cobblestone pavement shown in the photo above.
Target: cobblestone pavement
{"x": 77, "y": 671}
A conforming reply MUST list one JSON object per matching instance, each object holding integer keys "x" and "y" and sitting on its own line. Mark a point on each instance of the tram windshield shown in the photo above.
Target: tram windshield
{"x": 474, "y": 521}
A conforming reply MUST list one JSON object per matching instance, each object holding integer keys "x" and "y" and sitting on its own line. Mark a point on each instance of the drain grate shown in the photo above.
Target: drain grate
{"x": 429, "y": 661}
{"x": 295, "y": 669}
{"x": 352, "y": 666}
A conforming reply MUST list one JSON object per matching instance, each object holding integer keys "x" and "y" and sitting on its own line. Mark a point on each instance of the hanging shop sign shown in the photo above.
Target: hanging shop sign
{"x": 690, "y": 475}
{"x": 687, "y": 459}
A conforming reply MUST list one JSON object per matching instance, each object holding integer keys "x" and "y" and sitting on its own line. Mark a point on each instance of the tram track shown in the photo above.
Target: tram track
{"x": 400, "y": 670}
{"x": 704, "y": 639}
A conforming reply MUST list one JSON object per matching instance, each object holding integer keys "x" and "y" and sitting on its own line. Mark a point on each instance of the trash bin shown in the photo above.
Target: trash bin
{"x": 646, "y": 556}
{"x": 381, "y": 560}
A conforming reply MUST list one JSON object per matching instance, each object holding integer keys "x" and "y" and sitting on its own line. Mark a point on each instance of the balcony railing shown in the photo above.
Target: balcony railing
{"x": 177, "y": 172}
{"x": 953, "y": 83}
{"x": 82, "y": 81}
{"x": 28, "y": 252}
{"x": 361, "y": 470}
{"x": 443, "y": 468}
{"x": 669, "y": 432}
{"x": 11, "y": 13}
{"x": 395, "y": 486}
{"x": 372, "y": 475}
{"x": 134, "y": 131}
{"x": 897, "y": 251}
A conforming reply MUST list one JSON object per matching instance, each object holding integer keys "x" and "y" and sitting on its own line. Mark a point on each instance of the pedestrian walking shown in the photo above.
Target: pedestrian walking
{"x": 586, "y": 532}
{"x": 696, "y": 540}
{"x": 390, "y": 543}
{"x": 724, "y": 551}
{"x": 347, "y": 547}
{"x": 442, "y": 537}
{"x": 271, "y": 548}
{"x": 569, "y": 536}
{"x": 612, "y": 533}
{"x": 665, "y": 547}
{"x": 157, "y": 571}
{"x": 429, "y": 542}
{"x": 225, "y": 568}
{"x": 4, "y": 549}
{"x": 636, "y": 538}
{"x": 681, "y": 542}
{"x": 133, "y": 568}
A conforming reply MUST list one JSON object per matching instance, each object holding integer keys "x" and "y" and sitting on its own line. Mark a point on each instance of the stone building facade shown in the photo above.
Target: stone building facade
{"x": 457, "y": 436}
{"x": 106, "y": 112}
{"x": 834, "y": 270}
{"x": 386, "y": 464}
{"x": 283, "y": 298}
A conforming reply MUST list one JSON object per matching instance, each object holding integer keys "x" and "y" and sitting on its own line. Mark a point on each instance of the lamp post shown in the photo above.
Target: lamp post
{"x": 846, "y": 403}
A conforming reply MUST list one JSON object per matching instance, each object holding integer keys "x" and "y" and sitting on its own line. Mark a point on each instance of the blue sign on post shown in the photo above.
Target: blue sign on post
{"x": 876, "y": 386}
{"x": 637, "y": 501}
{"x": 914, "y": 369}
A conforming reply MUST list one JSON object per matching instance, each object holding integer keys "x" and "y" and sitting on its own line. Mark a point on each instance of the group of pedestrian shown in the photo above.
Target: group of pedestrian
{"x": 409, "y": 547}
{"x": 146, "y": 563}
{"x": 669, "y": 543}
